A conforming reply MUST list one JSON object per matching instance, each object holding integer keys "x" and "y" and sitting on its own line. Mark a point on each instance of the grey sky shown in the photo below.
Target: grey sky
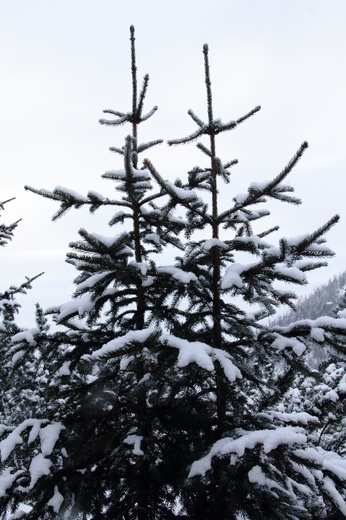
{"x": 62, "y": 62}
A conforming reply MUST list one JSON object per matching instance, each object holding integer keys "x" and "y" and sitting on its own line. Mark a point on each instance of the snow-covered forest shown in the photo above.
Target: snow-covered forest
{"x": 164, "y": 390}
{"x": 325, "y": 300}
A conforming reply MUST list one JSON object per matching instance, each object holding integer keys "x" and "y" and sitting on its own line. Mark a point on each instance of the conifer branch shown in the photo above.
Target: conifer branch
{"x": 272, "y": 189}
{"x": 283, "y": 174}
{"x": 5, "y": 202}
{"x": 268, "y": 232}
{"x": 142, "y": 95}
{"x": 150, "y": 144}
{"x": 120, "y": 151}
{"x": 196, "y": 119}
{"x": 315, "y": 238}
{"x": 123, "y": 118}
{"x": 249, "y": 114}
{"x": 204, "y": 149}
{"x": 167, "y": 189}
{"x": 21, "y": 289}
{"x": 213, "y": 128}
{"x": 231, "y": 163}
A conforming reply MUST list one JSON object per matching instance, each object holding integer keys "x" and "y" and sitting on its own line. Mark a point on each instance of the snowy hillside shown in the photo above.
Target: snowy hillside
{"x": 323, "y": 301}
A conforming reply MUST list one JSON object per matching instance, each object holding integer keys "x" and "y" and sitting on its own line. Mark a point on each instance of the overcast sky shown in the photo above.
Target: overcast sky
{"x": 63, "y": 61}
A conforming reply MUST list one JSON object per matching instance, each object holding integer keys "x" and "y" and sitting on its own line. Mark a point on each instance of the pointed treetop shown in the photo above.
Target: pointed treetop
{"x": 133, "y": 70}
{"x": 208, "y": 84}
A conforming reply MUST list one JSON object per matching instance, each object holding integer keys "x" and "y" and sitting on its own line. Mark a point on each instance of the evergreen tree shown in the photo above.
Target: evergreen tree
{"x": 166, "y": 395}
{"x": 220, "y": 489}
{"x": 108, "y": 408}
{"x": 9, "y": 305}
{"x": 17, "y": 390}
{"x": 323, "y": 393}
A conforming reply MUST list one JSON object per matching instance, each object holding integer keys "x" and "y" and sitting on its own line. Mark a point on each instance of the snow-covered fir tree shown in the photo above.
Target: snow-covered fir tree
{"x": 323, "y": 392}
{"x": 9, "y": 305}
{"x": 162, "y": 392}
{"x": 18, "y": 394}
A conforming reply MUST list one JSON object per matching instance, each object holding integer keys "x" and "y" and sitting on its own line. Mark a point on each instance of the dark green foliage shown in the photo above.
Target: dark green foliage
{"x": 165, "y": 393}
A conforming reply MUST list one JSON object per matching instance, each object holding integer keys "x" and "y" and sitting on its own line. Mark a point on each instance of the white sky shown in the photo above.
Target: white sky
{"x": 63, "y": 61}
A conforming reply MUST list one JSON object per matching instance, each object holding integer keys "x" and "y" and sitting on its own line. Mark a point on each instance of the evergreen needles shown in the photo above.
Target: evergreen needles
{"x": 161, "y": 392}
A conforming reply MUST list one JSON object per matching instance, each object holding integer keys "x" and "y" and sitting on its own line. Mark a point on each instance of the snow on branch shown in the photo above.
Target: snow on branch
{"x": 48, "y": 436}
{"x": 178, "y": 274}
{"x": 213, "y": 128}
{"x": 7, "y": 479}
{"x": 70, "y": 198}
{"x": 258, "y": 192}
{"x": 337, "y": 325}
{"x": 331, "y": 490}
{"x": 56, "y": 501}
{"x": 80, "y": 306}
{"x": 135, "y": 441}
{"x": 26, "y": 335}
{"x": 329, "y": 462}
{"x": 292, "y": 417}
{"x": 189, "y": 351}
{"x": 110, "y": 348}
{"x": 6, "y": 230}
{"x": 281, "y": 343}
{"x": 203, "y": 355}
{"x": 269, "y": 439}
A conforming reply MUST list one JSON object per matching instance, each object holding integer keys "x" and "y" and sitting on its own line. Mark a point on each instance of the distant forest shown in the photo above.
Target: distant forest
{"x": 325, "y": 300}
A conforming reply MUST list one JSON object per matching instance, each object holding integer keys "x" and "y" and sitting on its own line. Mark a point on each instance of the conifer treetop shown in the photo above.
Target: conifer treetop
{"x": 214, "y": 126}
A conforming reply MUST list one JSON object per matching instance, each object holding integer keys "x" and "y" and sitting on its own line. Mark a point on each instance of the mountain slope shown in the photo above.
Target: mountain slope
{"x": 322, "y": 302}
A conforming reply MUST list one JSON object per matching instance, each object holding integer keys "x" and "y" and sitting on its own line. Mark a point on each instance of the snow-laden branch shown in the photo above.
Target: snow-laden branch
{"x": 268, "y": 439}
